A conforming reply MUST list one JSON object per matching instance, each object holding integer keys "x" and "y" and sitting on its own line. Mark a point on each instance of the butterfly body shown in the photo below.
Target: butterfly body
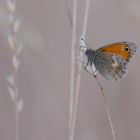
{"x": 111, "y": 61}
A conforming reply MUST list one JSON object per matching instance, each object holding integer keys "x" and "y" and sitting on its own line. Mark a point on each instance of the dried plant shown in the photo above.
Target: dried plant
{"x": 73, "y": 50}
{"x": 75, "y": 82}
{"x": 16, "y": 50}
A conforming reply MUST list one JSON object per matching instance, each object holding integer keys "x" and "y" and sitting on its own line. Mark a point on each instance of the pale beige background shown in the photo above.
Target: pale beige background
{"x": 44, "y": 73}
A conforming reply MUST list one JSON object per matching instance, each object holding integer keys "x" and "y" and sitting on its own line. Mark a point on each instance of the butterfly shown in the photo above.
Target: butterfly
{"x": 111, "y": 60}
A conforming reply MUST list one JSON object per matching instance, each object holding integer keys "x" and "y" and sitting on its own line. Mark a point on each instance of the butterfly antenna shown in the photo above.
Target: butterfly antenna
{"x": 107, "y": 108}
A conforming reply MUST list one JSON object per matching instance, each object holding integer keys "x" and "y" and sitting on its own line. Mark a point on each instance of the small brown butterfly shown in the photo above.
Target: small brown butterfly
{"x": 111, "y": 60}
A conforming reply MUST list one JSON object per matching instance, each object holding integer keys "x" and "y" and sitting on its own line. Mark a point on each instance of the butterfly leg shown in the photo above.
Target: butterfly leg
{"x": 86, "y": 66}
{"x": 91, "y": 69}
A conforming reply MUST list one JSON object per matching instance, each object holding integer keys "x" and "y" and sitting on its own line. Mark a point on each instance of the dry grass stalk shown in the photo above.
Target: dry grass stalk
{"x": 74, "y": 99}
{"x": 16, "y": 51}
{"x": 73, "y": 50}
{"x": 107, "y": 108}
{"x": 78, "y": 81}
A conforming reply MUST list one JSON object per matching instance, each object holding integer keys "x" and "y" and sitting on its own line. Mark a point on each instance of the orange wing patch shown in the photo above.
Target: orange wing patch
{"x": 121, "y": 49}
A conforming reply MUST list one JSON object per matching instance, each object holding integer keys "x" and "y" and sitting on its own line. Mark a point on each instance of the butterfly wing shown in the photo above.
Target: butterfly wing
{"x": 112, "y": 60}
{"x": 124, "y": 49}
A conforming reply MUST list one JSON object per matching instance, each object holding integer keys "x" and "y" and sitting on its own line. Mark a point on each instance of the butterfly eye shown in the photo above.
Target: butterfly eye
{"x": 126, "y": 49}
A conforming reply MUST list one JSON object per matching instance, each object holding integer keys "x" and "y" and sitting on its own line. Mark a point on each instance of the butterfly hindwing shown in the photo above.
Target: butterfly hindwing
{"x": 110, "y": 66}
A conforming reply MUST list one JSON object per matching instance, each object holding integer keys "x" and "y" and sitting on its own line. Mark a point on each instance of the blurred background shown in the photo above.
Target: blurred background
{"x": 44, "y": 71}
